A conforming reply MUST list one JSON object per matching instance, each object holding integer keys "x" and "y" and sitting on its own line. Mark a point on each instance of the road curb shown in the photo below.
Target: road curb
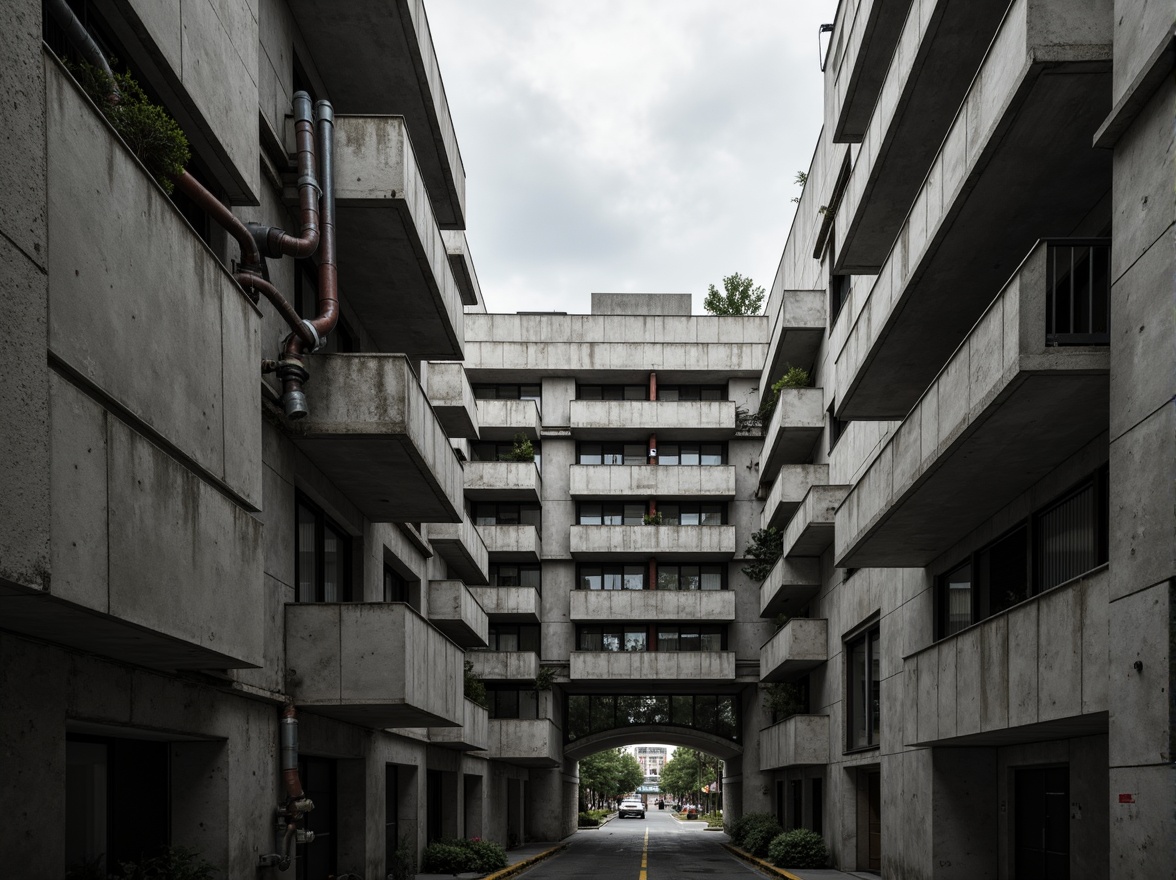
{"x": 759, "y": 863}
{"x": 519, "y": 867}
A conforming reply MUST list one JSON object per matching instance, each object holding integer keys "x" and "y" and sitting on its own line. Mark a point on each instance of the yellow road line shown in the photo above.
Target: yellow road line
{"x": 644, "y": 856}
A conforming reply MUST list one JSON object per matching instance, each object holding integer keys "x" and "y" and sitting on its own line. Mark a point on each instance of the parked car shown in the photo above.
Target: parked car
{"x": 631, "y": 807}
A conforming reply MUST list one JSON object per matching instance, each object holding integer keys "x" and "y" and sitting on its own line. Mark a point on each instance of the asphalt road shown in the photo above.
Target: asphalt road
{"x": 658, "y": 847}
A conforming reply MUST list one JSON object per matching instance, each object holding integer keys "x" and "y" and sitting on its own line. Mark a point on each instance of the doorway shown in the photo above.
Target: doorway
{"x": 1041, "y": 831}
{"x": 869, "y": 818}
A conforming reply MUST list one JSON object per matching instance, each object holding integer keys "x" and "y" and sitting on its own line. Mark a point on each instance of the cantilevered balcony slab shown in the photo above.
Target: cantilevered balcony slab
{"x": 393, "y": 264}
{"x": 462, "y": 548}
{"x": 505, "y": 665}
{"x": 668, "y": 606}
{"x": 1035, "y": 672}
{"x": 526, "y": 742}
{"x": 462, "y": 265}
{"x": 503, "y": 419}
{"x": 794, "y": 428}
{"x": 372, "y": 432}
{"x": 698, "y": 667}
{"x": 512, "y": 543}
{"x": 452, "y": 398}
{"x": 799, "y": 741}
{"x": 1004, "y": 412}
{"x": 867, "y": 32}
{"x": 797, "y": 334}
{"x": 503, "y": 481}
{"x": 393, "y": 69}
{"x": 509, "y": 604}
{"x": 791, "y": 584}
{"x": 800, "y": 645}
{"x": 810, "y": 531}
{"x": 641, "y": 542}
{"x": 701, "y": 349}
{"x": 684, "y": 419}
{"x": 376, "y": 664}
{"x": 788, "y": 491}
{"x": 926, "y": 71}
{"x": 472, "y": 736}
{"x": 1025, "y": 127}
{"x": 652, "y": 481}
{"x": 454, "y": 610}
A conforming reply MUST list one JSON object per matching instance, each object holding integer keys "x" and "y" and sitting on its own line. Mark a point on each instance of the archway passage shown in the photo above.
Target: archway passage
{"x": 710, "y": 722}
{"x": 652, "y": 733}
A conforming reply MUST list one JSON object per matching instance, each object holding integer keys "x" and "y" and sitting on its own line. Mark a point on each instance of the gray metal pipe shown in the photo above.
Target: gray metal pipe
{"x": 81, "y": 40}
{"x": 274, "y": 241}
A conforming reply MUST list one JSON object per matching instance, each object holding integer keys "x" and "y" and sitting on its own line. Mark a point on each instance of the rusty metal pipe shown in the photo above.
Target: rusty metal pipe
{"x": 272, "y": 240}
{"x": 218, "y": 211}
{"x": 255, "y": 284}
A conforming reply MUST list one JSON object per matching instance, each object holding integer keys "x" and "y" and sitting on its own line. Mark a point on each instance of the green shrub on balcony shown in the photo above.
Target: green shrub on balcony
{"x": 766, "y": 547}
{"x": 522, "y": 450}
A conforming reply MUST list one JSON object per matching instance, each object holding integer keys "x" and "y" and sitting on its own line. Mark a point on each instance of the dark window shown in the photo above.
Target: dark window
{"x": 797, "y": 787}
{"x": 612, "y": 577}
{"x": 615, "y": 637}
{"x": 863, "y": 687}
{"x": 610, "y": 513}
{"x": 1078, "y": 281}
{"x": 836, "y": 426}
{"x": 322, "y": 557}
{"x": 504, "y": 574}
{"x": 486, "y": 450}
{"x": 508, "y": 392}
{"x": 838, "y": 284}
{"x": 691, "y": 577}
{"x": 514, "y": 637}
{"x": 316, "y": 860}
{"x": 1063, "y": 540}
{"x": 612, "y": 392}
{"x": 692, "y": 392}
{"x": 513, "y": 702}
{"x": 693, "y": 513}
{"x": 1041, "y": 823}
{"x": 706, "y": 712}
{"x": 507, "y": 513}
{"x": 613, "y": 453}
{"x": 395, "y": 585}
{"x": 818, "y": 806}
{"x": 691, "y": 637}
{"x": 692, "y": 454}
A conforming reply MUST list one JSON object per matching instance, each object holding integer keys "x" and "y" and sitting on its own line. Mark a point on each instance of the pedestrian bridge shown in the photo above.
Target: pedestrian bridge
{"x": 709, "y": 722}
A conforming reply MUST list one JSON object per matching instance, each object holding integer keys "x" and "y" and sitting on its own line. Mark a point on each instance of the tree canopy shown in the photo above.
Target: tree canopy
{"x": 687, "y": 772}
{"x": 741, "y": 296}
{"x": 610, "y": 773}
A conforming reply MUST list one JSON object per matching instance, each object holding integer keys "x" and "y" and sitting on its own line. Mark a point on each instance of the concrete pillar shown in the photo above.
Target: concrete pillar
{"x": 474, "y": 804}
{"x": 201, "y": 798}
{"x": 544, "y": 809}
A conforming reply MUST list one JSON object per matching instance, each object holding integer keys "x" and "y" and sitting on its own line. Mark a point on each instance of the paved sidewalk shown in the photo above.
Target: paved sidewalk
{"x": 798, "y": 873}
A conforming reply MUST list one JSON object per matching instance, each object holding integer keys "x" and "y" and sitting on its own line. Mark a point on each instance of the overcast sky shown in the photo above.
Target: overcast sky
{"x": 628, "y": 145}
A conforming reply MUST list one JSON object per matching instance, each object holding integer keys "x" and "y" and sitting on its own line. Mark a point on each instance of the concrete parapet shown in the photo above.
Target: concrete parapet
{"x": 503, "y": 419}
{"x": 652, "y": 481}
{"x": 472, "y": 736}
{"x": 462, "y": 548}
{"x": 697, "y": 667}
{"x": 653, "y": 605}
{"x": 810, "y": 531}
{"x": 794, "y": 428}
{"x": 529, "y": 742}
{"x": 802, "y": 740}
{"x": 505, "y": 665}
{"x": 789, "y": 585}
{"x": 684, "y": 419}
{"x": 509, "y": 604}
{"x": 462, "y": 265}
{"x": 791, "y": 485}
{"x": 801, "y": 644}
{"x": 512, "y": 543}
{"x": 452, "y": 398}
{"x": 455, "y": 611}
{"x": 680, "y": 542}
{"x": 503, "y": 481}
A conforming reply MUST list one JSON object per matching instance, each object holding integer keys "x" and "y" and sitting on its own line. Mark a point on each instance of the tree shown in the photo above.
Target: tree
{"x": 610, "y": 774}
{"x": 740, "y": 297}
{"x": 686, "y": 773}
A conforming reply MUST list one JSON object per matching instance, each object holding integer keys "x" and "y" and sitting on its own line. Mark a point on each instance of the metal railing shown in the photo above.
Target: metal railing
{"x": 1078, "y": 290}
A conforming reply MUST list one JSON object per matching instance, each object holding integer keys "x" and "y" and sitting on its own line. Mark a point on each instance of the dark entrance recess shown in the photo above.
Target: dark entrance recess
{"x": 316, "y": 861}
{"x": 435, "y": 815}
{"x": 874, "y": 804}
{"x": 1042, "y": 824}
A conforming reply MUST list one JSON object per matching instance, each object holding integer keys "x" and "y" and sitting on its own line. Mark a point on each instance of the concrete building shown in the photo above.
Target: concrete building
{"x": 651, "y": 758}
{"x": 960, "y": 665}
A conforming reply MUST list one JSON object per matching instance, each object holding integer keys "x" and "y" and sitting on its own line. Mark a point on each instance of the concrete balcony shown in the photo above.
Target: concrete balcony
{"x": 372, "y": 432}
{"x": 393, "y": 264}
{"x": 799, "y": 741}
{"x": 455, "y": 611}
{"x": 797, "y": 334}
{"x": 502, "y": 419}
{"x": 520, "y": 666}
{"x": 800, "y": 645}
{"x": 375, "y": 664}
{"x": 452, "y": 398}
{"x": 693, "y": 349}
{"x": 462, "y": 265}
{"x": 1035, "y": 672}
{"x": 698, "y": 667}
{"x": 472, "y": 736}
{"x": 640, "y": 542}
{"x": 509, "y": 604}
{"x": 794, "y": 428}
{"x": 712, "y": 606}
{"x": 116, "y": 324}
{"x": 684, "y": 419}
{"x": 503, "y": 481}
{"x": 513, "y": 543}
{"x": 1025, "y": 126}
{"x": 810, "y": 531}
{"x": 792, "y": 484}
{"x": 393, "y": 69}
{"x": 926, "y": 70}
{"x": 461, "y": 546}
{"x": 1004, "y": 412}
{"x": 527, "y": 742}
{"x": 790, "y": 585}
{"x": 867, "y": 32}
{"x": 652, "y": 481}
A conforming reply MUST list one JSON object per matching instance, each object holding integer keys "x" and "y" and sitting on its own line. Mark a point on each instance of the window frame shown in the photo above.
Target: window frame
{"x": 870, "y": 640}
{"x": 322, "y": 523}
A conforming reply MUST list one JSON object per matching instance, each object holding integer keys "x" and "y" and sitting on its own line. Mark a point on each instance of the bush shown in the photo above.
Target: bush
{"x": 799, "y": 848}
{"x": 587, "y": 820}
{"x": 475, "y": 688}
{"x": 738, "y": 829}
{"x": 172, "y": 863}
{"x": 462, "y": 856}
{"x": 760, "y": 836}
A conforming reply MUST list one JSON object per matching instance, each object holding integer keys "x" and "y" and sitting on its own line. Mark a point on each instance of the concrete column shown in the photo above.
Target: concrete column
{"x": 201, "y": 798}
{"x": 474, "y": 804}
{"x": 544, "y": 809}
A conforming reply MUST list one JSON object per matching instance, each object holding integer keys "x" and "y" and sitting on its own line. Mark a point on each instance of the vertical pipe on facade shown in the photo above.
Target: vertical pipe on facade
{"x": 653, "y": 386}
{"x": 275, "y": 241}
{"x": 652, "y": 457}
